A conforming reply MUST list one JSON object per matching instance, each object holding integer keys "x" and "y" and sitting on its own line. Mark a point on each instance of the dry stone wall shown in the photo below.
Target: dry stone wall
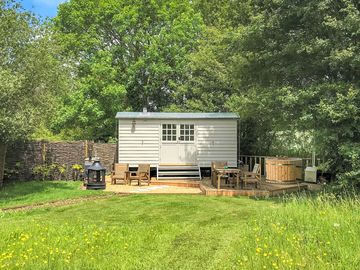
{"x": 22, "y": 158}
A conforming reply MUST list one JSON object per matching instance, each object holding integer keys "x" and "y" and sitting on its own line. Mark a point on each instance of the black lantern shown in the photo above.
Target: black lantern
{"x": 96, "y": 176}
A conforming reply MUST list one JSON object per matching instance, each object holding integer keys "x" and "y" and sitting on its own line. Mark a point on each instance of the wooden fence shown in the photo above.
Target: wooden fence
{"x": 252, "y": 160}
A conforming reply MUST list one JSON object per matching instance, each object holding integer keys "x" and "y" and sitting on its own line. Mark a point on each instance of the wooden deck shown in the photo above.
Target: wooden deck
{"x": 178, "y": 183}
{"x": 176, "y": 186}
{"x": 267, "y": 189}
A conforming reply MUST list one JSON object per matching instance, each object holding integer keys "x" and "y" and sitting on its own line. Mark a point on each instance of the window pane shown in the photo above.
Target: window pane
{"x": 192, "y": 126}
{"x": 174, "y": 132}
{"x": 164, "y": 138}
{"x": 181, "y": 126}
{"x": 169, "y": 126}
{"x": 169, "y": 138}
{"x": 187, "y": 126}
{"x": 181, "y": 138}
{"x": 187, "y": 132}
{"x": 164, "y": 132}
{"x": 181, "y": 132}
{"x": 174, "y": 138}
{"x": 191, "y": 138}
{"x": 174, "y": 126}
{"x": 164, "y": 126}
{"x": 192, "y": 132}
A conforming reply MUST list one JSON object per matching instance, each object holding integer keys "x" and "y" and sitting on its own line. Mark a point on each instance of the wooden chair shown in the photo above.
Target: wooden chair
{"x": 120, "y": 172}
{"x": 253, "y": 177}
{"x": 217, "y": 165}
{"x": 142, "y": 174}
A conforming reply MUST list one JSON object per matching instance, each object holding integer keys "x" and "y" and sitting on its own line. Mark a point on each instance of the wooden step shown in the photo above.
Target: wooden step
{"x": 178, "y": 173}
{"x": 179, "y": 177}
{"x": 178, "y": 164}
{"x": 190, "y": 171}
{"x": 167, "y": 168}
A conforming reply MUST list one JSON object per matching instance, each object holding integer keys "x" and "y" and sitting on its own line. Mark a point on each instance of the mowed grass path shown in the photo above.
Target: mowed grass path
{"x": 32, "y": 192}
{"x": 184, "y": 232}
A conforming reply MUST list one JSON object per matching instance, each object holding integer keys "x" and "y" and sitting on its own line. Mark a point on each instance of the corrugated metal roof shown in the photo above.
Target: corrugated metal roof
{"x": 165, "y": 115}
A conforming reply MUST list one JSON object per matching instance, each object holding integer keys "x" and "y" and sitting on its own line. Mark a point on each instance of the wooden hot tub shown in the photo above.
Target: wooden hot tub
{"x": 283, "y": 170}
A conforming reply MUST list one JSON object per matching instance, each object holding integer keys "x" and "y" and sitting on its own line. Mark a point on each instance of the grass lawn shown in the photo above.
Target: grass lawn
{"x": 185, "y": 232}
{"x": 24, "y": 193}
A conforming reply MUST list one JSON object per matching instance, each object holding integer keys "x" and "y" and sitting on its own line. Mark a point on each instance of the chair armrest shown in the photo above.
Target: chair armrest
{"x": 249, "y": 176}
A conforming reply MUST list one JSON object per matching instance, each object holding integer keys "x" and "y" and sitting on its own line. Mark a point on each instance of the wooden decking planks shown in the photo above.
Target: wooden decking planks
{"x": 177, "y": 183}
{"x": 267, "y": 189}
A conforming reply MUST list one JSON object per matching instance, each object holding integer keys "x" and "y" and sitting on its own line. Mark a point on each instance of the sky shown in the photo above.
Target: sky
{"x": 43, "y": 8}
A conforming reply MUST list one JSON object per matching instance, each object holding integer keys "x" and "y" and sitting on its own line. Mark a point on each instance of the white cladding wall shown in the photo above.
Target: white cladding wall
{"x": 216, "y": 140}
{"x": 140, "y": 143}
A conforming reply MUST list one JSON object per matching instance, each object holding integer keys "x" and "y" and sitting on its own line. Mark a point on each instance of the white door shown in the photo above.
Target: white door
{"x": 177, "y": 143}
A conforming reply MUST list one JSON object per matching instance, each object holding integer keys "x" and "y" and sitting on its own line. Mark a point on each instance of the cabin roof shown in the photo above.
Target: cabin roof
{"x": 170, "y": 115}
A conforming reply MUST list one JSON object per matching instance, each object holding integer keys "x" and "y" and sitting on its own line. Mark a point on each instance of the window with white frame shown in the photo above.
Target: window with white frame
{"x": 169, "y": 132}
{"x": 187, "y": 132}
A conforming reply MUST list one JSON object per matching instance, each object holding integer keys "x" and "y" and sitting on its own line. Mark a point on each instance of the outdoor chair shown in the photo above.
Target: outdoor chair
{"x": 142, "y": 174}
{"x": 253, "y": 177}
{"x": 120, "y": 172}
{"x": 217, "y": 165}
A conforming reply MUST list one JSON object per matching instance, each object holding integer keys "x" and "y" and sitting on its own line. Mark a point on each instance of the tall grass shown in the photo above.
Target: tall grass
{"x": 307, "y": 231}
{"x": 186, "y": 232}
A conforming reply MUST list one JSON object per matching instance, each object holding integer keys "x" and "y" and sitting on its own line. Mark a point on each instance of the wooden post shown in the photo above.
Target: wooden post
{"x": 3, "y": 148}
{"x": 86, "y": 149}
{"x": 239, "y": 142}
{"x": 43, "y": 152}
{"x": 218, "y": 181}
{"x": 263, "y": 162}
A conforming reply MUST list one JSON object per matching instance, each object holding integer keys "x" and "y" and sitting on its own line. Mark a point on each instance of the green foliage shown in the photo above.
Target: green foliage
{"x": 224, "y": 13}
{"x": 208, "y": 83}
{"x": 77, "y": 167}
{"x": 77, "y": 170}
{"x": 89, "y": 110}
{"x": 50, "y": 171}
{"x": 127, "y": 55}
{"x": 30, "y": 74}
{"x": 297, "y": 71}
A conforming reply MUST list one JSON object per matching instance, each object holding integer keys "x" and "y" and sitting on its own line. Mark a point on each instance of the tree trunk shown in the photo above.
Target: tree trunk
{"x": 2, "y": 162}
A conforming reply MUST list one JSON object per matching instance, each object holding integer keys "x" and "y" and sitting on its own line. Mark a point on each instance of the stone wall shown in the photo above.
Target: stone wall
{"x": 22, "y": 158}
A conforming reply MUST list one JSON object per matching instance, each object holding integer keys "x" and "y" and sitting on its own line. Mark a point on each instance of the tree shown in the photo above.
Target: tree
{"x": 224, "y": 14}
{"x": 128, "y": 54}
{"x": 208, "y": 82}
{"x": 304, "y": 58}
{"x": 29, "y": 75}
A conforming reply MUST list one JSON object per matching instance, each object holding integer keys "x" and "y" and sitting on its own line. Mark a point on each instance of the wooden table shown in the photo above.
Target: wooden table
{"x": 223, "y": 172}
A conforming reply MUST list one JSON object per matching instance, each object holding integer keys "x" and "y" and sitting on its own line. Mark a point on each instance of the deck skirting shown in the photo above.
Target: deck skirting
{"x": 266, "y": 190}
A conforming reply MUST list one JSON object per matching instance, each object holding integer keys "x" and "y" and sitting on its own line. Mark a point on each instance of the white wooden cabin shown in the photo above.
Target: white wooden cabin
{"x": 176, "y": 141}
